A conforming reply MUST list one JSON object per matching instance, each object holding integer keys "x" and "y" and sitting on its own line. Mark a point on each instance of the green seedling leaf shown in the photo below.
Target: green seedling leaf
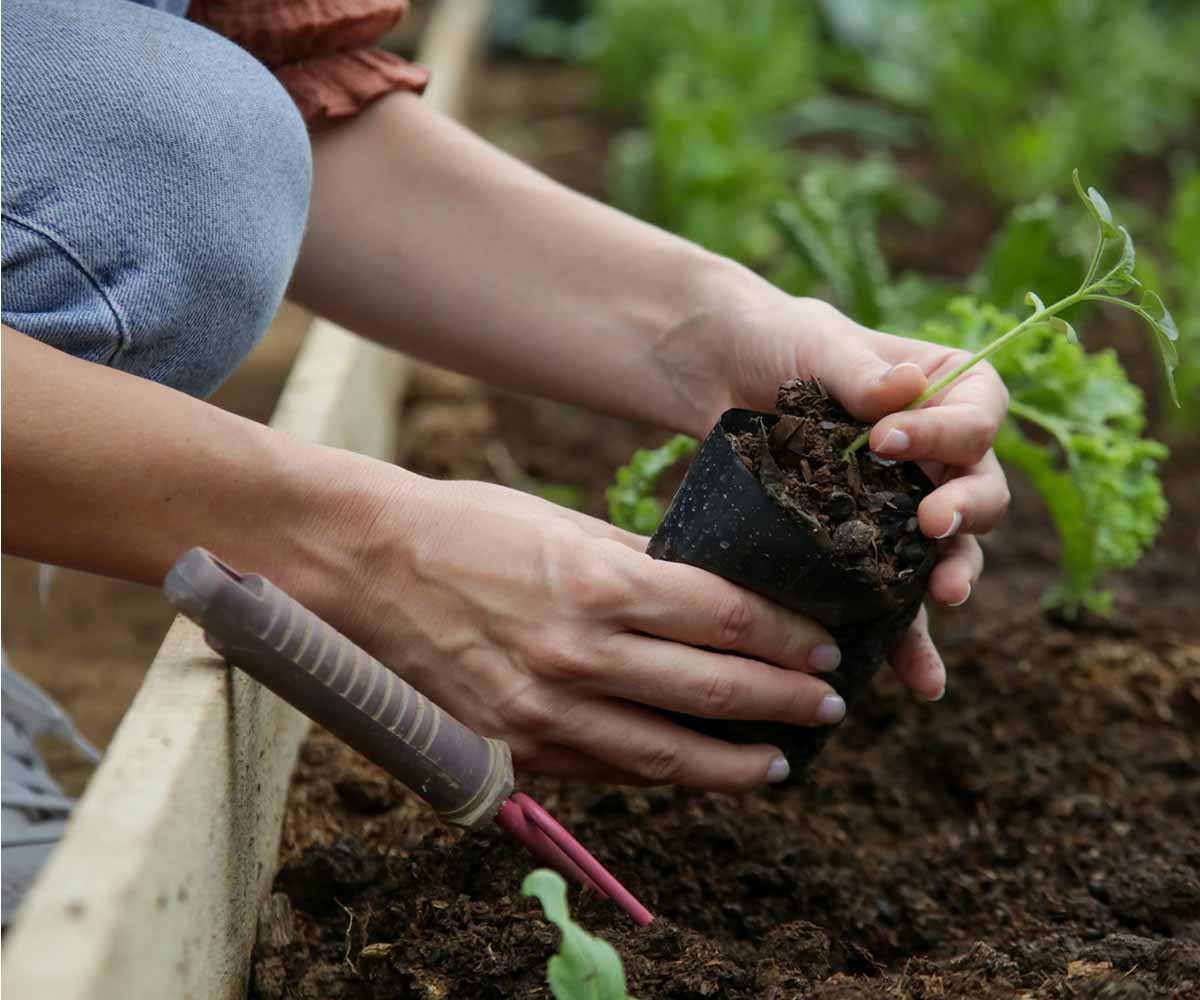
{"x": 1119, "y": 278}
{"x": 586, "y": 967}
{"x": 1031, "y": 299}
{"x": 1166, "y": 335}
{"x": 1063, "y": 327}
{"x": 1098, "y": 208}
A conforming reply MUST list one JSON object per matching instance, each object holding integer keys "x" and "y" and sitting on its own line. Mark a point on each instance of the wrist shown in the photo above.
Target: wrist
{"x": 334, "y": 544}
{"x": 695, "y": 354}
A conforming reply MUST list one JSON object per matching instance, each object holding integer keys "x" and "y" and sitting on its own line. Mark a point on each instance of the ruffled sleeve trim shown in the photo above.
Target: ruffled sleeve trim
{"x": 340, "y": 84}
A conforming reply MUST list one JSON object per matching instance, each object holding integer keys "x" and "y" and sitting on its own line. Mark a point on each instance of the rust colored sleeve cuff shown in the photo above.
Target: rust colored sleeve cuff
{"x": 322, "y": 51}
{"x": 341, "y": 84}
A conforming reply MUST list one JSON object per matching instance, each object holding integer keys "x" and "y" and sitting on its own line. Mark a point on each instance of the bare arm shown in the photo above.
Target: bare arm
{"x": 425, "y": 237}
{"x": 117, "y": 475}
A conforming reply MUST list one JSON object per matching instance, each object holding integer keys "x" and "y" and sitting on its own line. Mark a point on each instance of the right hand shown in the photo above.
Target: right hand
{"x": 557, "y": 633}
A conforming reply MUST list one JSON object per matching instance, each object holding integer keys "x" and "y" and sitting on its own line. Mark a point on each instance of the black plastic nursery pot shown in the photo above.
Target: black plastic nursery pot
{"x": 723, "y": 520}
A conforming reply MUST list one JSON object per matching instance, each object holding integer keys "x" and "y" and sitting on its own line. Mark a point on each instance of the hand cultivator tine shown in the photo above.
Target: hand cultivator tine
{"x": 512, "y": 820}
{"x": 582, "y": 865}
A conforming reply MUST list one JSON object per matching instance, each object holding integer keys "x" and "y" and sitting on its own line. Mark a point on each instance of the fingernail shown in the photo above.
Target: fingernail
{"x": 832, "y": 709}
{"x": 824, "y": 658}
{"x": 966, "y": 597}
{"x": 941, "y": 674}
{"x": 955, "y": 524}
{"x": 891, "y": 372}
{"x": 894, "y": 442}
{"x": 778, "y": 771}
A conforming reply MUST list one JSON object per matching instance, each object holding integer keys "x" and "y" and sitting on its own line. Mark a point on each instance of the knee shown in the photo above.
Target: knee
{"x": 186, "y": 219}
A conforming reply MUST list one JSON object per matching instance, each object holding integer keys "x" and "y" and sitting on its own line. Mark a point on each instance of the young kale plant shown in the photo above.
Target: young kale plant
{"x": 586, "y": 967}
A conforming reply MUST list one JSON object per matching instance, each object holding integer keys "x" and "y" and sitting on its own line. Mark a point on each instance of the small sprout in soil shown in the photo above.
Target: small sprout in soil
{"x": 586, "y": 967}
{"x": 1109, "y": 279}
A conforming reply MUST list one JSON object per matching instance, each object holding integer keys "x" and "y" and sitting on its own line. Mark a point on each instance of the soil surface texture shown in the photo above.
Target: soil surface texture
{"x": 864, "y": 510}
{"x": 1035, "y": 834}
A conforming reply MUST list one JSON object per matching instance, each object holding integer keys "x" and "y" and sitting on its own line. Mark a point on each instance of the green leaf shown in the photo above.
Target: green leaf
{"x": 1063, "y": 327}
{"x": 1098, "y": 208}
{"x": 1119, "y": 277}
{"x": 631, "y": 503}
{"x": 1031, "y": 299}
{"x": 1029, "y": 251}
{"x": 586, "y": 967}
{"x": 1166, "y": 335}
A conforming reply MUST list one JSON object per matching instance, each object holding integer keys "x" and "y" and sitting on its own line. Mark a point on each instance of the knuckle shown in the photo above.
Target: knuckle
{"x": 529, "y": 713}
{"x": 659, "y": 764}
{"x": 553, "y": 655}
{"x": 733, "y": 622}
{"x": 598, "y": 588}
{"x": 980, "y": 435}
{"x": 720, "y": 695}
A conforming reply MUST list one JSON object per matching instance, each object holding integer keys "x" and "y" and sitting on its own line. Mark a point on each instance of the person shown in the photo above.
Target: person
{"x": 163, "y": 188}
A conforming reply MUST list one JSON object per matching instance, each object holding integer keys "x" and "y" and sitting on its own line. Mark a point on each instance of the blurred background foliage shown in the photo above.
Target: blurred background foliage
{"x": 823, "y": 142}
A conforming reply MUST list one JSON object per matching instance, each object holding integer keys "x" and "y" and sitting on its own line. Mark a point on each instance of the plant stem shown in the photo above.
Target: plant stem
{"x": 1038, "y": 317}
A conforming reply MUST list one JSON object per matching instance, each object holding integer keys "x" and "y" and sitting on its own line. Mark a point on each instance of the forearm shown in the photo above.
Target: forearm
{"x": 426, "y": 238}
{"x": 116, "y": 475}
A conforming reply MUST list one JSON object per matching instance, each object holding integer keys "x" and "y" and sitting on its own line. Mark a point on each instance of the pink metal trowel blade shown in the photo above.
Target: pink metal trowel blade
{"x": 550, "y": 841}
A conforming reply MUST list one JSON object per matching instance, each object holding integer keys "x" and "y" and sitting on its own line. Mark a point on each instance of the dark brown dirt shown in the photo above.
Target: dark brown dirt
{"x": 1033, "y": 835}
{"x": 863, "y": 510}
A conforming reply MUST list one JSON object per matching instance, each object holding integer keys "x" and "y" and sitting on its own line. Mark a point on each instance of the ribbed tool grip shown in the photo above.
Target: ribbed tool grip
{"x": 316, "y": 669}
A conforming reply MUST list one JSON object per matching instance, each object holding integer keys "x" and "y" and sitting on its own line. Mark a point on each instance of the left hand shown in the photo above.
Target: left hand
{"x": 739, "y": 358}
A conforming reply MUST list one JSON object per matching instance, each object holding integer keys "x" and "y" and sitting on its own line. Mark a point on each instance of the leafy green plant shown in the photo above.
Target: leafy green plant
{"x": 1110, "y": 276}
{"x": 1017, "y": 91}
{"x": 830, "y": 228}
{"x": 586, "y": 967}
{"x": 631, "y": 501}
{"x": 1095, "y": 473}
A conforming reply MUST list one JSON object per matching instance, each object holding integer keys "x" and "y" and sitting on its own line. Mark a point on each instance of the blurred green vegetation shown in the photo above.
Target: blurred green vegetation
{"x": 785, "y": 133}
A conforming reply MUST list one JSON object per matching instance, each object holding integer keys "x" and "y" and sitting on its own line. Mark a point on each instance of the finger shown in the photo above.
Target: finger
{"x": 980, "y": 387}
{"x": 603, "y": 529}
{"x": 836, "y": 351}
{"x": 971, "y": 502}
{"x": 959, "y": 566}
{"x": 689, "y": 605}
{"x": 679, "y": 678}
{"x": 917, "y": 662}
{"x": 955, "y": 434}
{"x": 660, "y": 752}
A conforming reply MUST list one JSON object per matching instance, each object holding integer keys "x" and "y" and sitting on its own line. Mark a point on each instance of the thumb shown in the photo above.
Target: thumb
{"x": 867, "y": 386}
